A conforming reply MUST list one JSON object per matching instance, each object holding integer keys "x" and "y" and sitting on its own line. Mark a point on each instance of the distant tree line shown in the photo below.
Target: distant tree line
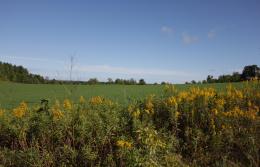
{"x": 249, "y": 72}
{"x": 117, "y": 81}
{"x": 13, "y": 73}
{"x": 9, "y": 72}
{"x": 94, "y": 81}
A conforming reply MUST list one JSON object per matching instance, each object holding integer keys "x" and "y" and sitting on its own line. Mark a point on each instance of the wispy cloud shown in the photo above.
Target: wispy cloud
{"x": 167, "y": 30}
{"x": 189, "y": 39}
{"x": 6, "y": 58}
{"x": 130, "y": 71}
{"x": 212, "y": 34}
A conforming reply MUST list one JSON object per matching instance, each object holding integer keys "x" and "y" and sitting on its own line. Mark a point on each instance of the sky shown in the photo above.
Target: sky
{"x": 158, "y": 40}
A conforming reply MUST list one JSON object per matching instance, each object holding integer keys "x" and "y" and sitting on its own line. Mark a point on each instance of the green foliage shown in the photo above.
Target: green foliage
{"x": 9, "y": 72}
{"x": 195, "y": 127}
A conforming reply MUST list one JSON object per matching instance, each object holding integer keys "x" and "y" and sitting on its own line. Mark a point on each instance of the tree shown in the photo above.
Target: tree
{"x": 9, "y": 72}
{"x": 236, "y": 77}
{"x": 93, "y": 81}
{"x": 210, "y": 79}
{"x": 193, "y": 82}
{"x": 163, "y": 83}
{"x": 142, "y": 82}
{"x": 110, "y": 81}
{"x": 250, "y": 71}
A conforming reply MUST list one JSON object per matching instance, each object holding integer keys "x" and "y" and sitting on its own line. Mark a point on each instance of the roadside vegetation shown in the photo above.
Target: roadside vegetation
{"x": 193, "y": 127}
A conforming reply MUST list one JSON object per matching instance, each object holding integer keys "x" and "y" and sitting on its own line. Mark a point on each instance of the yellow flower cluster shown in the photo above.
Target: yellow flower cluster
{"x": 56, "y": 112}
{"x": 20, "y": 110}
{"x": 149, "y": 106}
{"x": 177, "y": 115}
{"x": 1, "y": 112}
{"x": 82, "y": 100}
{"x": 171, "y": 101}
{"x": 67, "y": 105}
{"x": 124, "y": 144}
{"x": 233, "y": 93}
{"x": 136, "y": 113}
{"x": 220, "y": 102}
{"x": 133, "y": 111}
{"x": 96, "y": 100}
{"x": 237, "y": 113}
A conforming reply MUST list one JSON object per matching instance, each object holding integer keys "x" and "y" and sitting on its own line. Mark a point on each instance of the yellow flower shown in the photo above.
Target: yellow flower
{"x": 238, "y": 94}
{"x": 171, "y": 101}
{"x": 220, "y": 103}
{"x": 67, "y": 104}
{"x": 96, "y": 100}
{"x": 149, "y": 107}
{"x": 108, "y": 102}
{"x": 56, "y": 112}
{"x": 177, "y": 114}
{"x": 81, "y": 100}
{"x": 212, "y": 123}
{"x": 215, "y": 111}
{"x": 249, "y": 103}
{"x": 1, "y": 112}
{"x": 136, "y": 113}
{"x": 20, "y": 110}
{"x": 124, "y": 144}
{"x": 183, "y": 95}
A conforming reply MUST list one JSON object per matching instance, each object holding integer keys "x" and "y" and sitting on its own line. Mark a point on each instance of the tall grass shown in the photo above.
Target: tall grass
{"x": 193, "y": 127}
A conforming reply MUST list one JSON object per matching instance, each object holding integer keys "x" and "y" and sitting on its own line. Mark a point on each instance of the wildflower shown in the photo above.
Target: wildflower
{"x": 238, "y": 94}
{"x": 130, "y": 108}
{"x": 220, "y": 103}
{"x": 212, "y": 123}
{"x": 1, "y": 112}
{"x": 215, "y": 111}
{"x": 136, "y": 113}
{"x": 249, "y": 103}
{"x": 149, "y": 107}
{"x": 109, "y": 102}
{"x": 177, "y": 114}
{"x": 124, "y": 144}
{"x": 96, "y": 100}
{"x": 182, "y": 95}
{"x": 171, "y": 101}
{"x": 67, "y": 104}
{"x": 81, "y": 100}
{"x": 56, "y": 112}
{"x": 20, "y": 110}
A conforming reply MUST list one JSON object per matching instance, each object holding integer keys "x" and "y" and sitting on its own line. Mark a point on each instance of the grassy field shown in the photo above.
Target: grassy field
{"x": 11, "y": 94}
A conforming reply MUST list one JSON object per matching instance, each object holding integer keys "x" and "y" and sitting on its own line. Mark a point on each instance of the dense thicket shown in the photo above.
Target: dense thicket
{"x": 9, "y": 72}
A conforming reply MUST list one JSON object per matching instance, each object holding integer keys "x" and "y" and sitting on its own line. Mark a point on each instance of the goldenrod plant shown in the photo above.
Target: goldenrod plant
{"x": 193, "y": 127}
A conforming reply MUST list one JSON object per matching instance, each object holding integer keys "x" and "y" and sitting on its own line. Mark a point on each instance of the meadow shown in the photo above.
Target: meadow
{"x": 170, "y": 125}
{"x": 11, "y": 94}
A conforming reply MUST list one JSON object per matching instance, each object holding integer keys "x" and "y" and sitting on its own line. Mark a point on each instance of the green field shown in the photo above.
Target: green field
{"x": 11, "y": 94}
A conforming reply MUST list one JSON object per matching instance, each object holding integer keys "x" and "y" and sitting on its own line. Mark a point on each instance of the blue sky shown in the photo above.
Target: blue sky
{"x": 158, "y": 40}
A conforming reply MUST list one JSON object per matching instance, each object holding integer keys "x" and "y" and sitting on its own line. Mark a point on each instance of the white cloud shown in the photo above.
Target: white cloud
{"x": 167, "y": 30}
{"x": 211, "y": 33}
{"x": 8, "y": 58}
{"x": 189, "y": 39}
{"x": 130, "y": 71}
